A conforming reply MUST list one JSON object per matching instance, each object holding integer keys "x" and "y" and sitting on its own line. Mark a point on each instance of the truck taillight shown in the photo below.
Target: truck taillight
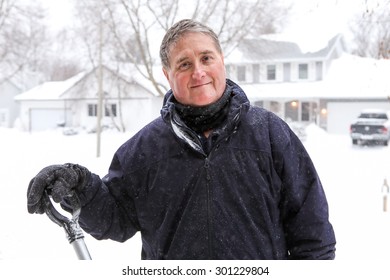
{"x": 383, "y": 130}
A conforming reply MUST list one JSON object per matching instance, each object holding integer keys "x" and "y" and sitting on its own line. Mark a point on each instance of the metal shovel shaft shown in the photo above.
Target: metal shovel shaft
{"x": 81, "y": 249}
{"x": 71, "y": 226}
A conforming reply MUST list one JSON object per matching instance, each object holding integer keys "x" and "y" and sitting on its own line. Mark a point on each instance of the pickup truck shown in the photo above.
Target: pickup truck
{"x": 372, "y": 126}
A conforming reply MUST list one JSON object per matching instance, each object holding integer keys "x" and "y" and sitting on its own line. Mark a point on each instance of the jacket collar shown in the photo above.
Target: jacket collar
{"x": 239, "y": 100}
{"x": 239, "y": 105}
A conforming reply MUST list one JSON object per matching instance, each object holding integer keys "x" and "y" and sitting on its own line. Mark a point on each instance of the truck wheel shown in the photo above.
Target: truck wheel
{"x": 354, "y": 142}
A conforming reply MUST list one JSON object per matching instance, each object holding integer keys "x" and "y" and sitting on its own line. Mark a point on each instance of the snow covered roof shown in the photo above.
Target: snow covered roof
{"x": 55, "y": 90}
{"x": 349, "y": 77}
{"x": 50, "y": 90}
{"x": 279, "y": 48}
{"x": 354, "y": 76}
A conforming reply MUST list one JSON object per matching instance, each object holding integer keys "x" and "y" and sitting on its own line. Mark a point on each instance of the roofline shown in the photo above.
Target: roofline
{"x": 118, "y": 74}
{"x": 81, "y": 99}
{"x": 305, "y": 56}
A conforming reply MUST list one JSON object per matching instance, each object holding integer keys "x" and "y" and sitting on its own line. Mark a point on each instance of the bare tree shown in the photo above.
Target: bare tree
{"x": 371, "y": 30}
{"x": 60, "y": 60}
{"x": 132, "y": 30}
{"x": 22, "y": 35}
{"x": 138, "y": 26}
{"x": 98, "y": 49}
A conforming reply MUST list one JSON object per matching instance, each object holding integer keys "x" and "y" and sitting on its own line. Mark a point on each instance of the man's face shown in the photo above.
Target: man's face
{"x": 197, "y": 71}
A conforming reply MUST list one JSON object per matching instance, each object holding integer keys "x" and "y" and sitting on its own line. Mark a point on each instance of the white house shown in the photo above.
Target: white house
{"x": 9, "y": 88}
{"x": 325, "y": 86}
{"x": 128, "y": 105}
{"x": 9, "y": 109}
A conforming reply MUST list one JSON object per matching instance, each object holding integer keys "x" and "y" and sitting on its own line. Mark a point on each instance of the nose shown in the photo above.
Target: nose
{"x": 198, "y": 72}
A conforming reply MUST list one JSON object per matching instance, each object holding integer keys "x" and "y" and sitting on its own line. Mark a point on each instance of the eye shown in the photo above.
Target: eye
{"x": 185, "y": 65}
{"x": 206, "y": 58}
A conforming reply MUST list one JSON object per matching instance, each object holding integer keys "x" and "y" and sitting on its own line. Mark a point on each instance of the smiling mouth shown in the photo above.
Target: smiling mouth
{"x": 196, "y": 86}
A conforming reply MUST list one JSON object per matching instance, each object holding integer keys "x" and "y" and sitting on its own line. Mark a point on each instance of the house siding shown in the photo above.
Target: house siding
{"x": 136, "y": 105}
{"x": 9, "y": 109}
{"x": 287, "y": 72}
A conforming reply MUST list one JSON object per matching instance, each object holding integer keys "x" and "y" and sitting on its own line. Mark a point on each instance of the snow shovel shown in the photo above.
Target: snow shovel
{"x": 72, "y": 228}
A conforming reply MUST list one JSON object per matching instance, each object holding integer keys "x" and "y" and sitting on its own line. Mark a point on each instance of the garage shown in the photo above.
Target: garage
{"x": 45, "y": 119}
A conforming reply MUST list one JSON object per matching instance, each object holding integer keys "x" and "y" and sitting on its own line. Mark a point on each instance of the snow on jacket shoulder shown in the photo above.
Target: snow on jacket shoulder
{"x": 254, "y": 195}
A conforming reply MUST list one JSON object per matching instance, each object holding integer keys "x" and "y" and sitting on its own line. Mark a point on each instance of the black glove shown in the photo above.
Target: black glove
{"x": 59, "y": 181}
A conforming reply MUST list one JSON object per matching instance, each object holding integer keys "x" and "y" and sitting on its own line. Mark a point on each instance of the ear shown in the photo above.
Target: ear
{"x": 165, "y": 71}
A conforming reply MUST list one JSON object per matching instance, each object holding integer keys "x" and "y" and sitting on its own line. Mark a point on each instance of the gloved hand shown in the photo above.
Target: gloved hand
{"x": 60, "y": 181}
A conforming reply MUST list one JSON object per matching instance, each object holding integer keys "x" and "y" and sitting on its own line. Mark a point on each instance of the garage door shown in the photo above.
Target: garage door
{"x": 342, "y": 114}
{"x": 46, "y": 119}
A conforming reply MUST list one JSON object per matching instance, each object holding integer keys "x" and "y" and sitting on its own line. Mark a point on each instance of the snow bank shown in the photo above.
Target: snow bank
{"x": 352, "y": 178}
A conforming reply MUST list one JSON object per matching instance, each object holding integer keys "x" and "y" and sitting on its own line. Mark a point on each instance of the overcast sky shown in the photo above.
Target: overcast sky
{"x": 311, "y": 24}
{"x": 335, "y": 12}
{"x": 60, "y": 12}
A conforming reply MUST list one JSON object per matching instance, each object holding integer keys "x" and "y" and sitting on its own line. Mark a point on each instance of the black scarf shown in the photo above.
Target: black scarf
{"x": 207, "y": 117}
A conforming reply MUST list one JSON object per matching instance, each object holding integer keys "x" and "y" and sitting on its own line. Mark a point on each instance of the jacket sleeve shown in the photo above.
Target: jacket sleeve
{"x": 108, "y": 210}
{"x": 304, "y": 207}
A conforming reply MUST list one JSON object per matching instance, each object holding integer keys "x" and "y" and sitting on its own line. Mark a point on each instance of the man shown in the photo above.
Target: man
{"x": 212, "y": 178}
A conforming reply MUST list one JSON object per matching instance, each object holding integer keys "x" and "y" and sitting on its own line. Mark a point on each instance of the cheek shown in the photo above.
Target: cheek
{"x": 179, "y": 82}
{"x": 222, "y": 72}
{"x": 221, "y": 78}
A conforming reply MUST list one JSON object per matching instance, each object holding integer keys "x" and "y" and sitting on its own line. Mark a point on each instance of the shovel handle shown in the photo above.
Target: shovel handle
{"x": 71, "y": 226}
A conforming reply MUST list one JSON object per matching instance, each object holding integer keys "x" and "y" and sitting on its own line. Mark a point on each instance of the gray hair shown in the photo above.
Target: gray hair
{"x": 177, "y": 31}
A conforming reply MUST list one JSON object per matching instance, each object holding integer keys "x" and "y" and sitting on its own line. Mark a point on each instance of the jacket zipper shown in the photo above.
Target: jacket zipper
{"x": 209, "y": 210}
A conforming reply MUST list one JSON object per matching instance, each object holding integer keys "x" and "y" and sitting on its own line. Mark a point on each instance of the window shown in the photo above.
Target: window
{"x": 92, "y": 110}
{"x": 109, "y": 110}
{"x": 271, "y": 72}
{"x": 291, "y": 111}
{"x": 305, "y": 114}
{"x": 259, "y": 103}
{"x": 241, "y": 75}
{"x": 303, "y": 71}
{"x": 274, "y": 107}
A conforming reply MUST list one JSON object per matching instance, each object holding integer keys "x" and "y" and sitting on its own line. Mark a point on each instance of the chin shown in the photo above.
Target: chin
{"x": 204, "y": 102}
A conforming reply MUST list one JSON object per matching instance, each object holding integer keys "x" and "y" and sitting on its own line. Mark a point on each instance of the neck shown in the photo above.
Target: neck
{"x": 204, "y": 119}
{"x": 207, "y": 133}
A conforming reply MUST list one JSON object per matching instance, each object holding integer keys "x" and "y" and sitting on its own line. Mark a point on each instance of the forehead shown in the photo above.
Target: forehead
{"x": 193, "y": 42}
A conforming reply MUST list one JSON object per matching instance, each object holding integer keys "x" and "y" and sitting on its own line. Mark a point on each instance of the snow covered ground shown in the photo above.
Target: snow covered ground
{"x": 352, "y": 178}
